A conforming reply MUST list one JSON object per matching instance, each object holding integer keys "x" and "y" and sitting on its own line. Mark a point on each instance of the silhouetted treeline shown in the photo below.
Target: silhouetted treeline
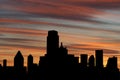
{"x": 57, "y": 64}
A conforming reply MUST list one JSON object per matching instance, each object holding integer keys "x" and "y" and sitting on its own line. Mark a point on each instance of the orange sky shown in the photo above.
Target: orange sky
{"x": 83, "y": 27}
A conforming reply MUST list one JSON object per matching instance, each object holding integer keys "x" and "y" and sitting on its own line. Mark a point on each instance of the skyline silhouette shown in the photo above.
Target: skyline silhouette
{"x": 84, "y": 26}
{"x": 57, "y": 63}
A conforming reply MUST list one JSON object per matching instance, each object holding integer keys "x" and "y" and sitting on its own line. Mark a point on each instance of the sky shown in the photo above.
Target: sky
{"x": 83, "y": 26}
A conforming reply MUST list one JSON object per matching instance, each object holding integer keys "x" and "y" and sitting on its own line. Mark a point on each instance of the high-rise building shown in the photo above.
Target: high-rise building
{"x": 91, "y": 61}
{"x": 52, "y": 42}
{"x": 18, "y": 60}
{"x": 30, "y": 62}
{"x": 99, "y": 58}
{"x": 4, "y": 63}
{"x": 84, "y": 58}
{"x": 112, "y": 63}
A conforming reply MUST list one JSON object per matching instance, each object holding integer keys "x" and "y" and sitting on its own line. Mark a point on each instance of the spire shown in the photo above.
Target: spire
{"x": 19, "y": 55}
{"x": 18, "y": 60}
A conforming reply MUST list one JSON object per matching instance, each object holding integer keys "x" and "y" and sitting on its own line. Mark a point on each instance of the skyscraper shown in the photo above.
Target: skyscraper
{"x": 30, "y": 63}
{"x": 99, "y": 58}
{"x": 91, "y": 61}
{"x": 112, "y": 63}
{"x": 84, "y": 58}
{"x": 4, "y": 63}
{"x": 52, "y": 42}
{"x": 18, "y": 60}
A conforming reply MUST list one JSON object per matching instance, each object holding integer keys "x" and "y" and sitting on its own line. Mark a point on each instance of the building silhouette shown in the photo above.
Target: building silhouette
{"x": 52, "y": 42}
{"x": 4, "y": 63}
{"x": 19, "y": 60}
{"x": 30, "y": 63}
{"x": 112, "y": 63}
{"x": 91, "y": 61}
{"x": 19, "y": 69}
{"x": 84, "y": 60}
{"x": 99, "y": 58}
{"x": 57, "y": 63}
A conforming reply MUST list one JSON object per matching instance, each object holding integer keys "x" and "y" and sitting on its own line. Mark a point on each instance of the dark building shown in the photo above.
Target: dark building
{"x": 18, "y": 60}
{"x": 91, "y": 61}
{"x": 19, "y": 71}
{"x": 30, "y": 62}
{"x": 52, "y": 42}
{"x": 62, "y": 50}
{"x": 112, "y": 63}
{"x": 0, "y": 66}
{"x": 4, "y": 63}
{"x": 112, "y": 71}
{"x": 84, "y": 59}
{"x": 99, "y": 58}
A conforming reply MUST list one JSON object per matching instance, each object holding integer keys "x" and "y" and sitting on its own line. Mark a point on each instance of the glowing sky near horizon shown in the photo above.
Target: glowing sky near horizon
{"x": 83, "y": 26}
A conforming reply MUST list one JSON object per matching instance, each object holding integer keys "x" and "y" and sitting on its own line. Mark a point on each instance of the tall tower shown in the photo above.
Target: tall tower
{"x": 52, "y": 42}
{"x": 91, "y": 61}
{"x": 4, "y": 63}
{"x": 112, "y": 63}
{"x": 30, "y": 63}
{"x": 30, "y": 60}
{"x": 18, "y": 60}
{"x": 99, "y": 58}
{"x": 84, "y": 59}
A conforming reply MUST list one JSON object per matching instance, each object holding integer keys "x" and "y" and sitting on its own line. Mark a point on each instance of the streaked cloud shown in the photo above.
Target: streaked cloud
{"x": 19, "y": 40}
{"x": 92, "y": 48}
{"x": 21, "y": 31}
{"x": 83, "y": 25}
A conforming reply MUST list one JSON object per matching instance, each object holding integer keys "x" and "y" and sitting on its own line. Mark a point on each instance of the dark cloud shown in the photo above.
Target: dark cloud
{"x": 102, "y": 5}
{"x": 29, "y": 32}
{"x": 46, "y": 9}
{"x": 74, "y": 10}
{"x": 89, "y": 28}
{"x": 99, "y": 4}
{"x": 20, "y": 40}
{"x": 16, "y": 14}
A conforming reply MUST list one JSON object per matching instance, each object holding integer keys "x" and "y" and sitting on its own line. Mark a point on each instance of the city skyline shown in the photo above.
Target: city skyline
{"x": 57, "y": 63}
{"x": 83, "y": 26}
{"x": 58, "y": 45}
{"x": 53, "y": 44}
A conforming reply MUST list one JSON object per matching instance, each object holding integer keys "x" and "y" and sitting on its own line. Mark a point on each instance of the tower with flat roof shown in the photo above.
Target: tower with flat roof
{"x": 99, "y": 58}
{"x": 4, "y": 63}
{"x": 84, "y": 60}
{"x": 91, "y": 61}
{"x": 30, "y": 63}
{"x": 52, "y": 42}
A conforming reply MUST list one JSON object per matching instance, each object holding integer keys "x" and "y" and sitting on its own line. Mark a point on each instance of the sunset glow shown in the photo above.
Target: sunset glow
{"x": 83, "y": 27}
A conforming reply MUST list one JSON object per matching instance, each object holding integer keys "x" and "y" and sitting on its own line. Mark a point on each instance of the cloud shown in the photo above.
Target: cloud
{"x": 20, "y": 40}
{"x": 19, "y": 46}
{"x": 110, "y": 51}
{"x": 50, "y": 9}
{"x": 92, "y": 48}
{"x": 85, "y": 25}
{"x": 29, "y": 32}
{"x": 78, "y": 19}
{"x": 77, "y": 9}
